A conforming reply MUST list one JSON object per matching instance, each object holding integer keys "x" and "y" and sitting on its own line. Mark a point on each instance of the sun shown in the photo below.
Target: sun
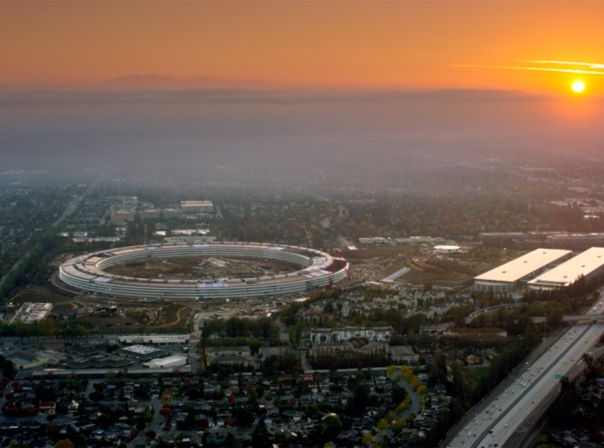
{"x": 578, "y": 86}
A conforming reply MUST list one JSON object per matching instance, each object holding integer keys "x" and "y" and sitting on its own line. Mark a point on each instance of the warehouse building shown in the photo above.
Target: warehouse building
{"x": 505, "y": 277}
{"x": 196, "y": 206}
{"x": 587, "y": 264}
{"x": 446, "y": 249}
{"x": 155, "y": 339}
{"x": 140, "y": 352}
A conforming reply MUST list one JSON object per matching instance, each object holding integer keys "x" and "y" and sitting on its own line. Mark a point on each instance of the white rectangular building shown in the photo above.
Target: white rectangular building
{"x": 196, "y": 206}
{"x": 168, "y": 362}
{"x": 154, "y": 339}
{"x": 323, "y": 336}
{"x": 587, "y": 265}
{"x": 505, "y": 277}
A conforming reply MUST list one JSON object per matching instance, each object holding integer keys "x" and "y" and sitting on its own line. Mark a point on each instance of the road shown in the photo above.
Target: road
{"x": 395, "y": 275}
{"x": 194, "y": 339}
{"x": 498, "y": 420}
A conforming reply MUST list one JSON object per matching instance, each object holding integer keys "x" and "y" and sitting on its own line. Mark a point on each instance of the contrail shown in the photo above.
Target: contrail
{"x": 580, "y": 64}
{"x": 532, "y": 69}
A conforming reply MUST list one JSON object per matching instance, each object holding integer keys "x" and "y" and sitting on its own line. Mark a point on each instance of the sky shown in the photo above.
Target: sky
{"x": 410, "y": 44}
{"x": 384, "y": 94}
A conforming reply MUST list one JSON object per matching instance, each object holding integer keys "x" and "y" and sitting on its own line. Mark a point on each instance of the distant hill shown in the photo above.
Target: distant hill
{"x": 150, "y": 81}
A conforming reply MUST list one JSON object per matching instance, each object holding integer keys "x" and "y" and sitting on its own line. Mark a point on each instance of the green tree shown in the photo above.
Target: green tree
{"x": 331, "y": 426}
{"x": 554, "y": 315}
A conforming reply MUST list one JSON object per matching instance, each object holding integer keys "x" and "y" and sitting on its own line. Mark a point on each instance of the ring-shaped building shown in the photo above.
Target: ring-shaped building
{"x": 317, "y": 269}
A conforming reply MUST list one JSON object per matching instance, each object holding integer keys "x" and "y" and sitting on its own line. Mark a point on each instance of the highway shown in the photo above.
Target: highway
{"x": 498, "y": 419}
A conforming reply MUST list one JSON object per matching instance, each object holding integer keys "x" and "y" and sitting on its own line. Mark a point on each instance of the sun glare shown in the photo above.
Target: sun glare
{"x": 578, "y": 86}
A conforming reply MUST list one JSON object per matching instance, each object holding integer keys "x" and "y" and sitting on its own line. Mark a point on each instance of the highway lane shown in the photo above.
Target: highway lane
{"x": 483, "y": 424}
{"x": 530, "y": 389}
{"x": 497, "y": 421}
{"x": 542, "y": 388}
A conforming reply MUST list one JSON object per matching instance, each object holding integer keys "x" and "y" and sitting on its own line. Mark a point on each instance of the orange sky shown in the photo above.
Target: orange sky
{"x": 411, "y": 44}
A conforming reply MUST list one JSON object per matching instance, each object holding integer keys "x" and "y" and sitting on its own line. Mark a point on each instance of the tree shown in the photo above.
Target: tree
{"x": 399, "y": 424}
{"x": 531, "y": 334}
{"x": 64, "y": 443}
{"x": 166, "y": 398}
{"x": 554, "y": 316}
{"x": 148, "y": 415}
{"x": 438, "y": 368}
{"x": 260, "y": 437}
{"x": 8, "y": 368}
{"x": 459, "y": 385}
{"x": 361, "y": 398}
{"x": 421, "y": 389}
{"x": 230, "y": 440}
{"x": 331, "y": 425}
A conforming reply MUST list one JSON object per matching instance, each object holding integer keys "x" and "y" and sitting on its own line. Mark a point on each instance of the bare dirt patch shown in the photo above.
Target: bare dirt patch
{"x": 202, "y": 268}
{"x": 376, "y": 262}
{"x": 129, "y": 319}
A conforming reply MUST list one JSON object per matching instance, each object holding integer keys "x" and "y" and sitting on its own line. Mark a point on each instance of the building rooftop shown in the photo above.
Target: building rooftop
{"x": 568, "y": 272}
{"x": 520, "y": 267}
{"x": 167, "y": 362}
{"x": 31, "y": 312}
{"x": 338, "y": 329}
{"x": 400, "y": 350}
{"x": 154, "y": 338}
{"x": 196, "y": 204}
{"x": 140, "y": 349}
